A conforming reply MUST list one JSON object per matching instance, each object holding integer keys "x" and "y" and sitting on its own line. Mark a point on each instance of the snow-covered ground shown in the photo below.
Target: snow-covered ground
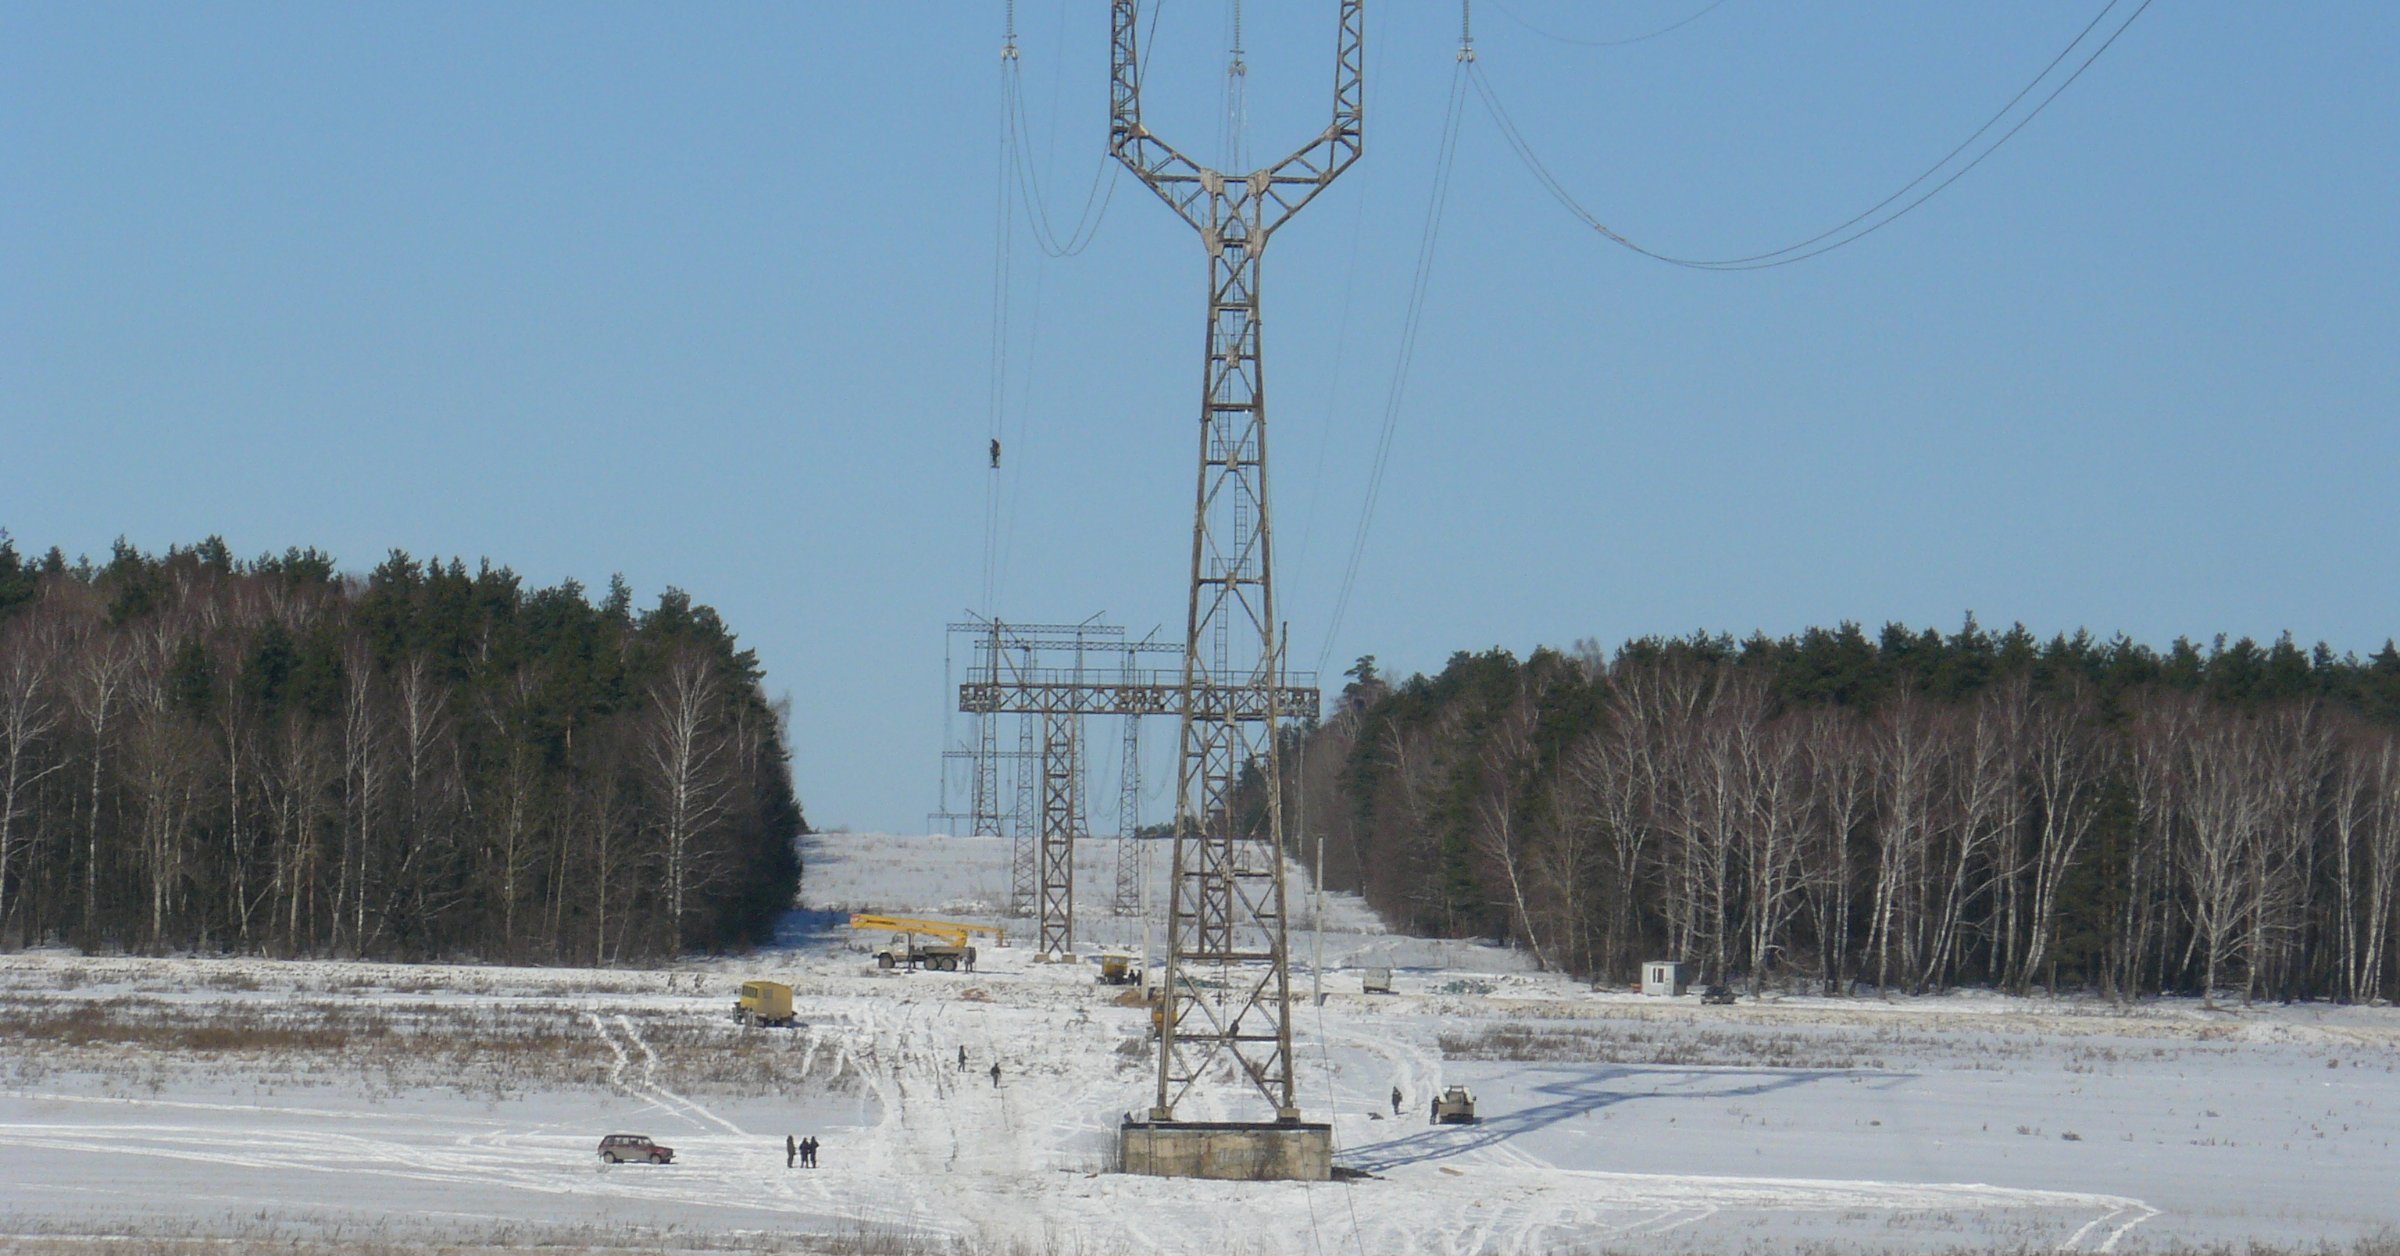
{"x": 316, "y": 1101}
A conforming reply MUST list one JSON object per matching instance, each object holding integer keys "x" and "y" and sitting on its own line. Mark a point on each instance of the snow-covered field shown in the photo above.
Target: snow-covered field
{"x": 339, "y": 1104}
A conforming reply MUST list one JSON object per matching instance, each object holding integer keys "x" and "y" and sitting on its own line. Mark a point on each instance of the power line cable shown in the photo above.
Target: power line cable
{"x": 1511, "y": 15}
{"x": 1437, "y": 202}
{"x": 1019, "y": 183}
{"x": 1096, "y": 198}
{"x": 997, "y": 373}
{"x": 1103, "y": 187}
{"x": 1305, "y": 547}
{"x": 1828, "y": 240}
{"x": 1333, "y": 384}
{"x": 1324, "y": 1048}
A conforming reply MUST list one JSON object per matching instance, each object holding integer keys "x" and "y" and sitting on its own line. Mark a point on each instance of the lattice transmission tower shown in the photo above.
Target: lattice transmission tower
{"x": 1228, "y": 965}
{"x": 1051, "y": 676}
{"x": 1133, "y": 858}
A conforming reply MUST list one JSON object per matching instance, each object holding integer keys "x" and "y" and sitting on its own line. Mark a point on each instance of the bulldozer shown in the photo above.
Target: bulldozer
{"x": 943, "y": 948}
{"x": 767, "y": 1003}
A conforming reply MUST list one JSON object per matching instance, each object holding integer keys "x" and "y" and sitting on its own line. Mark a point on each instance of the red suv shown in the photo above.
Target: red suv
{"x": 619, "y": 1148}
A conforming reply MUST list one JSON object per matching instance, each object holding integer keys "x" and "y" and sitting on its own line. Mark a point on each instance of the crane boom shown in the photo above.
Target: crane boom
{"x": 954, "y": 932}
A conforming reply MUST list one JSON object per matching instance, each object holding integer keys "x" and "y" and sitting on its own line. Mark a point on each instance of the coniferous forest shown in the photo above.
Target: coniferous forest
{"x": 271, "y": 756}
{"x": 1912, "y": 811}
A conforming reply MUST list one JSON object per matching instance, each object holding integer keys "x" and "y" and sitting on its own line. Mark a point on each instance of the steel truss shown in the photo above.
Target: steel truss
{"x": 1133, "y": 858}
{"x": 1018, "y": 672}
{"x": 1226, "y": 901}
{"x": 1062, "y": 826}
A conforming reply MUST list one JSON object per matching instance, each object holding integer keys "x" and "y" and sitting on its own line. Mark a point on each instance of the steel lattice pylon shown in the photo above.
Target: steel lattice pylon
{"x": 1062, "y": 816}
{"x": 984, "y": 799}
{"x": 1226, "y": 896}
{"x": 1024, "y": 862}
{"x": 1012, "y": 676}
{"x": 1133, "y": 864}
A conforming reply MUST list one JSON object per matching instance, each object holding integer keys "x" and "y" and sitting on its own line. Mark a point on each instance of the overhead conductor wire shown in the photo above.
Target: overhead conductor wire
{"x": 1436, "y": 203}
{"x": 1020, "y": 186}
{"x": 1833, "y": 237}
{"x": 997, "y": 376}
{"x": 1511, "y": 14}
{"x": 1028, "y": 182}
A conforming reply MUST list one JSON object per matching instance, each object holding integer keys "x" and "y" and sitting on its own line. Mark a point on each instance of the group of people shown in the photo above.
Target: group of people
{"x": 803, "y": 1152}
{"x": 962, "y": 1067}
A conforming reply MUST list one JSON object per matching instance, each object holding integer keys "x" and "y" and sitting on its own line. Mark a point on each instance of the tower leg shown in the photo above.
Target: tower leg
{"x": 1061, "y": 786}
{"x": 1226, "y": 915}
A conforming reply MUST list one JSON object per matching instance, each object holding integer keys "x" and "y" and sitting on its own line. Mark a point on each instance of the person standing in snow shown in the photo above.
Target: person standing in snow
{"x": 962, "y": 1058}
{"x": 995, "y": 1074}
{"x": 808, "y": 1151}
{"x": 1395, "y": 1101}
{"x": 791, "y": 1151}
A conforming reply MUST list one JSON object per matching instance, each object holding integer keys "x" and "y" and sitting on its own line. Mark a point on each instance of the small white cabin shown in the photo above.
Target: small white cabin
{"x": 1666, "y": 977}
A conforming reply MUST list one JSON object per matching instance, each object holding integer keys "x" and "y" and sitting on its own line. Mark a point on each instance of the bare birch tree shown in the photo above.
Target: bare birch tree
{"x": 1774, "y": 839}
{"x": 1842, "y": 782}
{"x": 2224, "y": 804}
{"x": 29, "y": 716}
{"x": 1908, "y": 752}
{"x": 686, "y": 756}
{"x": 2065, "y": 763}
{"x": 1507, "y": 757}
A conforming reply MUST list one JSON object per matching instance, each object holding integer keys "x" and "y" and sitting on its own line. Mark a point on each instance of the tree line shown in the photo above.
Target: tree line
{"x": 1913, "y": 811}
{"x": 271, "y": 756}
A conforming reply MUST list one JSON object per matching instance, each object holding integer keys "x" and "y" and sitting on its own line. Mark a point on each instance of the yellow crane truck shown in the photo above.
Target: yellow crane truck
{"x": 937, "y": 945}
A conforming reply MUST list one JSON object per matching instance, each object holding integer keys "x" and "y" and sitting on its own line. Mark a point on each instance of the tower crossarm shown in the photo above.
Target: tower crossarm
{"x": 1264, "y": 198}
{"x": 1176, "y": 179}
{"x": 1011, "y": 640}
{"x": 1139, "y": 693}
{"x": 1011, "y": 632}
{"x": 1294, "y": 181}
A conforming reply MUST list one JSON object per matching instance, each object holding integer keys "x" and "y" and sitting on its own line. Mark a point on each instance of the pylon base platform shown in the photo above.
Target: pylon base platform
{"x": 1241, "y": 1151}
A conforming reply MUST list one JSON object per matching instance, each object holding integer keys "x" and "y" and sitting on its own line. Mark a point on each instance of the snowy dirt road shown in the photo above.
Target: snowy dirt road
{"x": 473, "y": 1097}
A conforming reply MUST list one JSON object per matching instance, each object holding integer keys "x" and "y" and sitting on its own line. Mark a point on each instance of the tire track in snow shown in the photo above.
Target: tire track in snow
{"x": 887, "y": 1150}
{"x": 2109, "y": 1244}
{"x": 650, "y": 1080}
{"x": 616, "y": 1070}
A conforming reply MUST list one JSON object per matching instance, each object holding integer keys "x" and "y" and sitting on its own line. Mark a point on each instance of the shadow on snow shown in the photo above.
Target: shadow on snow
{"x": 1569, "y": 1097}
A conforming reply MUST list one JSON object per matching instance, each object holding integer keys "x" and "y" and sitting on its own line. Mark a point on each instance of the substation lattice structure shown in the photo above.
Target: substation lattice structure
{"x": 1133, "y": 860}
{"x": 1228, "y": 971}
{"x": 1052, "y": 676}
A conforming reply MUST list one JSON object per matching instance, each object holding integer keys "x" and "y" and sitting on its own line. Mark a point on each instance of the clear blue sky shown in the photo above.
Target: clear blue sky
{"x": 703, "y": 294}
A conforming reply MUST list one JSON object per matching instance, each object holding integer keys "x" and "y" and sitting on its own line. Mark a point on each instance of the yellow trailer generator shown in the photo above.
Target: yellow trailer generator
{"x": 765, "y": 1003}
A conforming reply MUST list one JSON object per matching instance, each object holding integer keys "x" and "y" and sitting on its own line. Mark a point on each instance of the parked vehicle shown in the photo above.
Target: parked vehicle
{"x": 1118, "y": 969}
{"x": 1455, "y": 1106}
{"x": 946, "y": 951}
{"x": 1375, "y": 981}
{"x": 1717, "y": 994}
{"x": 619, "y": 1148}
{"x": 765, "y": 1003}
